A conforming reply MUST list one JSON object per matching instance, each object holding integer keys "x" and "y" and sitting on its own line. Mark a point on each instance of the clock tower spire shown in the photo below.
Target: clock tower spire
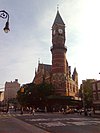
{"x": 58, "y": 50}
{"x": 59, "y": 73}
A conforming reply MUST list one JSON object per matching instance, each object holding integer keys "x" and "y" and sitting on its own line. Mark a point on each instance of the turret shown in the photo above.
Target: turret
{"x": 75, "y": 76}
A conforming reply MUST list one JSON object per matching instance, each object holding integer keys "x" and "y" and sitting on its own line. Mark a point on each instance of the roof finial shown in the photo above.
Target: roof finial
{"x": 57, "y": 7}
{"x": 38, "y": 61}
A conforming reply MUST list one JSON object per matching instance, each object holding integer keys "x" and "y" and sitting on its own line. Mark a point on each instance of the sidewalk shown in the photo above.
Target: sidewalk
{"x": 29, "y": 128}
{"x": 92, "y": 115}
{"x": 14, "y": 125}
{"x": 96, "y": 115}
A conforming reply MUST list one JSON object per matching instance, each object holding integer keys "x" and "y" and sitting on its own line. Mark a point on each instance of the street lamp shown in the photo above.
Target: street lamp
{"x": 84, "y": 104}
{"x": 5, "y": 15}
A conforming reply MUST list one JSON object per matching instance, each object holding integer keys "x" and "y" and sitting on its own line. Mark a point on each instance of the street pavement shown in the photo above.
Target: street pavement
{"x": 48, "y": 122}
{"x": 63, "y": 123}
{"x": 10, "y": 124}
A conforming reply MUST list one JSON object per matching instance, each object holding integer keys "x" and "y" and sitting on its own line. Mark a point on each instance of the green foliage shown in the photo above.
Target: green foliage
{"x": 45, "y": 90}
{"x": 34, "y": 95}
{"x": 87, "y": 92}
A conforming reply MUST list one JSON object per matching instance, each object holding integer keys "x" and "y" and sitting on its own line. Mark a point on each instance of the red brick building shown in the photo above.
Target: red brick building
{"x": 59, "y": 73}
{"x": 96, "y": 96}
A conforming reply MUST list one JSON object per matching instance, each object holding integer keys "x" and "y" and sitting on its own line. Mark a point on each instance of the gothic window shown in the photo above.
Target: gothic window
{"x": 73, "y": 88}
{"x": 70, "y": 87}
{"x": 99, "y": 95}
{"x": 98, "y": 85}
{"x": 93, "y": 87}
{"x": 94, "y": 96}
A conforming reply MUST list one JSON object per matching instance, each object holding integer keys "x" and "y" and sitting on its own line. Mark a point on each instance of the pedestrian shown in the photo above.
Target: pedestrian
{"x": 85, "y": 113}
{"x": 90, "y": 113}
{"x": 21, "y": 110}
{"x": 33, "y": 111}
{"x": 80, "y": 111}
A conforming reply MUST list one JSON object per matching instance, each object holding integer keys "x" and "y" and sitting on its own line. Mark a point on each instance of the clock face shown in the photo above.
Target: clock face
{"x": 60, "y": 31}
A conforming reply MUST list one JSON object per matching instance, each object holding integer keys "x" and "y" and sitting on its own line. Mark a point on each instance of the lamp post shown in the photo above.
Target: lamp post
{"x": 5, "y": 15}
{"x": 83, "y": 95}
{"x": 84, "y": 104}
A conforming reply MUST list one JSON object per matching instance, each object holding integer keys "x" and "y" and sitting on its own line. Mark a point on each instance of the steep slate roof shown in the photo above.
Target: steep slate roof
{"x": 45, "y": 66}
{"x": 58, "y": 19}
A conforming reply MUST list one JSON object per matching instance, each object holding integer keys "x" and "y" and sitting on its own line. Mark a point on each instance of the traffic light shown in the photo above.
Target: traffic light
{"x": 22, "y": 90}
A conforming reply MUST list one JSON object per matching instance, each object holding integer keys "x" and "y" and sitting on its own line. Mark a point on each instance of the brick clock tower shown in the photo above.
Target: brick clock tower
{"x": 58, "y": 50}
{"x": 59, "y": 73}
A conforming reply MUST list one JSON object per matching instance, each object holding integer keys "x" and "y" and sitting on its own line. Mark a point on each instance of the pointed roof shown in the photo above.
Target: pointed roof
{"x": 58, "y": 19}
{"x": 75, "y": 72}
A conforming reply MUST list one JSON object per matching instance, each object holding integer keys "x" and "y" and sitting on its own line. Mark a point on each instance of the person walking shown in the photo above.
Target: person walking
{"x": 33, "y": 111}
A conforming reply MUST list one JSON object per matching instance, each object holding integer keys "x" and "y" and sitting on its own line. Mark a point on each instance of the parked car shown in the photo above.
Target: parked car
{"x": 69, "y": 111}
{"x": 40, "y": 110}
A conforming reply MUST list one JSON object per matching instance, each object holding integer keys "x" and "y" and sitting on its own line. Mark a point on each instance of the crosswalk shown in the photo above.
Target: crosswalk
{"x": 57, "y": 122}
{"x": 16, "y": 114}
{"x": 60, "y": 124}
{"x": 7, "y": 115}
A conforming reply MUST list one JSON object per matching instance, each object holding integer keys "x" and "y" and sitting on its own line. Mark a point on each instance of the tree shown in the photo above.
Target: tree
{"x": 45, "y": 90}
{"x": 86, "y": 92}
{"x": 27, "y": 94}
{"x": 34, "y": 95}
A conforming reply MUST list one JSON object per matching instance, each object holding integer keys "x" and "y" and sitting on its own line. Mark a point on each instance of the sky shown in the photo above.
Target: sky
{"x": 29, "y": 39}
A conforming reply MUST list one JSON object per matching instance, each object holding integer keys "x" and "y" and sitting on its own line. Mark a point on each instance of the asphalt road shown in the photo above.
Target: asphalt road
{"x": 63, "y": 123}
{"x": 10, "y": 124}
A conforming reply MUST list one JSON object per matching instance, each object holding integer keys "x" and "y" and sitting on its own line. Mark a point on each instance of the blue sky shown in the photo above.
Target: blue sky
{"x": 29, "y": 38}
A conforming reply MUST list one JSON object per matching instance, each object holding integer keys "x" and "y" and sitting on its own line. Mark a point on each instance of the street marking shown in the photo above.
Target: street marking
{"x": 80, "y": 123}
{"x": 12, "y": 115}
{"x": 54, "y": 122}
{"x": 57, "y": 122}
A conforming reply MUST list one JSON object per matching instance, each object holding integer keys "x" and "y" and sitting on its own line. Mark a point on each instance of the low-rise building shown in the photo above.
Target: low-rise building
{"x": 11, "y": 89}
{"x": 1, "y": 96}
